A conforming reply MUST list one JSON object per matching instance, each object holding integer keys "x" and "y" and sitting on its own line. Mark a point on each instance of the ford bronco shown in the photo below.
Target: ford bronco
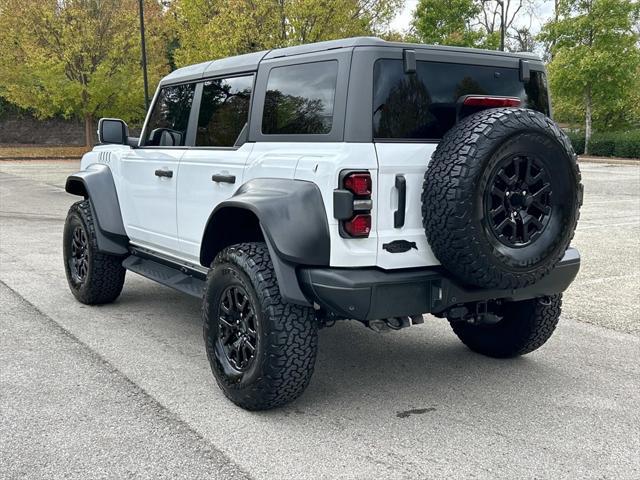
{"x": 352, "y": 179}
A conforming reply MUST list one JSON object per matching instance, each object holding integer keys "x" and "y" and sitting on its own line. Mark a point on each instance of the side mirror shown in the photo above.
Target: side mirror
{"x": 165, "y": 137}
{"x": 112, "y": 130}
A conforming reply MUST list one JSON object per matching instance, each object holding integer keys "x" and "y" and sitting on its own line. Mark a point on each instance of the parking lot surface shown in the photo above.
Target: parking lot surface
{"x": 125, "y": 389}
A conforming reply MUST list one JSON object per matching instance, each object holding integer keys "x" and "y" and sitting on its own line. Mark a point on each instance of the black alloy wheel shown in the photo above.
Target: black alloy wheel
{"x": 79, "y": 258}
{"x": 501, "y": 198}
{"x": 261, "y": 349}
{"x": 94, "y": 277}
{"x": 518, "y": 202}
{"x": 237, "y": 335}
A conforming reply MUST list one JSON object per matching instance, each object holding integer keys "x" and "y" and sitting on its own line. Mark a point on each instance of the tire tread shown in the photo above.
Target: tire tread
{"x": 447, "y": 202}
{"x": 292, "y": 333}
{"x": 106, "y": 276}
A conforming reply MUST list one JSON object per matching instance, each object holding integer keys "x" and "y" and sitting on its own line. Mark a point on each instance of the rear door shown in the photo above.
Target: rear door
{"x": 411, "y": 113}
{"x": 213, "y": 169}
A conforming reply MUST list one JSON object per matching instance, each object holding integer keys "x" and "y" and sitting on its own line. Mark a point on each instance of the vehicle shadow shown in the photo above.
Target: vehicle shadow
{"x": 420, "y": 367}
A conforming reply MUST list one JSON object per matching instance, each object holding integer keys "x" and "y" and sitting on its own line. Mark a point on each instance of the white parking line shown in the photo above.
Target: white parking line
{"x": 609, "y": 225}
{"x": 607, "y": 202}
{"x": 607, "y": 279}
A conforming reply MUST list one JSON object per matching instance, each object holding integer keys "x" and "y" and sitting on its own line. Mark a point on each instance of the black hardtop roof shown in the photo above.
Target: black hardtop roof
{"x": 250, "y": 61}
{"x": 378, "y": 42}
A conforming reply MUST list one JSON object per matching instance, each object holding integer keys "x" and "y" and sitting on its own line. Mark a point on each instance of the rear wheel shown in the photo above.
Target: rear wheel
{"x": 261, "y": 349}
{"x": 525, "y": 327}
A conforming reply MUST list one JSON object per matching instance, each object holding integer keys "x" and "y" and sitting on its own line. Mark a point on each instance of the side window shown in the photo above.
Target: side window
{"x": 167, "y": 126}
{"x": 299, "y": 99}
{"x": 224, "y": 111}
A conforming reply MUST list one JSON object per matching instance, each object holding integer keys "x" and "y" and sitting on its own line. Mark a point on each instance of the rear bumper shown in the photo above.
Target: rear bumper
{"x": 371, "y": 293}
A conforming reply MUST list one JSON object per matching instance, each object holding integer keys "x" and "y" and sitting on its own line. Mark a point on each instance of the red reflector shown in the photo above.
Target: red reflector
{"x": 475, "y": 101}
{"x": 358, "y": 226}
{"x": 358, "y": 183}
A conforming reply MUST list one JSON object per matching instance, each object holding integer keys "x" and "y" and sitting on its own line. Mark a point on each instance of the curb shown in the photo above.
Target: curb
{"x": 610, "y": 160}
{"x": 22, "y": 159}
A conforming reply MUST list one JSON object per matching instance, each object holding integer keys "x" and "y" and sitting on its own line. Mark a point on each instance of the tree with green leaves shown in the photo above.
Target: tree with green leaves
{"x": 472, "y": 23}
{"x": 209, "y": 29}
{"x": 595, "y": 62}
{"x": 78, "y": 58}
{"x": 447, "y": 23}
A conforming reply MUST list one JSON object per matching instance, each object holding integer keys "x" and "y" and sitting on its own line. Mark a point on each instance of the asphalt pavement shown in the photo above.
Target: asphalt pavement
{"x": 125, "y": 390}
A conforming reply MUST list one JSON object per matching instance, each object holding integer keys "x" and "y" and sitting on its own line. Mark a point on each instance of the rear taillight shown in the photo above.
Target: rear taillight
{"x": 490, "y": 102}
{"x": 352, "y": 204}
{"x": 359, "y": 226}
{"x": 358, "y": 183}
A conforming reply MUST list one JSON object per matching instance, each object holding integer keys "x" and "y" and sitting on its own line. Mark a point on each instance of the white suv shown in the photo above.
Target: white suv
{"x": 352, "y": 179}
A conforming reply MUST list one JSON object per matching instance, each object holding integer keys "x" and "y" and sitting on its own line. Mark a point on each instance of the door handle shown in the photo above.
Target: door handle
{"x": 220, "y": 178}
{"x": 398, "y": 215}
{"x": 164, "y": 173}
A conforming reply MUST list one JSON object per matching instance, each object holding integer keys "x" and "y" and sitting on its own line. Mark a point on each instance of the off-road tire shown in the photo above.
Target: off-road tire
{"x": 525, "y": 327}
{"x": 287, "y": 334}
{"x": 104, "y": 274}
{"x": 460, "y": 173}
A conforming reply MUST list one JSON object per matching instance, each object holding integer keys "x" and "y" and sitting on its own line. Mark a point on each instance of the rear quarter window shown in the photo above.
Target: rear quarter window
{"x": 424, "y": 105}
{"x": 300, "y": 99}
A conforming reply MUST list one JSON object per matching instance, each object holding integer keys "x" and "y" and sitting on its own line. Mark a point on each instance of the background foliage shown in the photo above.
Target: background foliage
{"x": 474, "y": 23}
{"x": 594, "y": 71}
{"x": 209, "y": 29}
{"x": 81, "y": 58}
{"x": 78, "y": 58}
{"x": 625, "y": 143}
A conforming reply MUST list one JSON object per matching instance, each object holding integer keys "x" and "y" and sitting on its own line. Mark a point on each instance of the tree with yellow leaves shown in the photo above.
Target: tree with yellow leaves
{"x": 78, "y": 58}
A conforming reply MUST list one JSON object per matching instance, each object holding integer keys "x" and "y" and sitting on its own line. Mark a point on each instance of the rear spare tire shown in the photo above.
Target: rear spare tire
{"x": 501, "y": 198}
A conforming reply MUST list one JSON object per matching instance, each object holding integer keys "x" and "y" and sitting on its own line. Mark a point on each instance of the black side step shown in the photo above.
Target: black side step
{"x": 166, "y": 275}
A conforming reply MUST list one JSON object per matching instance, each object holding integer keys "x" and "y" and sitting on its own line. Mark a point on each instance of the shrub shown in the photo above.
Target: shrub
{"x": 609, "y": 144}
{"x": 602, "y": 145}
{"x": 628, "y": 145}
{"x": 577, "y": 140}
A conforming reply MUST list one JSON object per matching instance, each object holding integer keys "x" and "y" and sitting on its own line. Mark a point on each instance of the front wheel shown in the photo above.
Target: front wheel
{"x": 525, "y": 327}
{"x": 94, "y": 277}
{"x": 261, "y": 350}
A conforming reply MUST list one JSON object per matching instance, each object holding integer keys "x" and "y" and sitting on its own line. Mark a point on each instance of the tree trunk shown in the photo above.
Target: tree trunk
{"x": 587, "y": 126}
{"x": 89, "y": 134}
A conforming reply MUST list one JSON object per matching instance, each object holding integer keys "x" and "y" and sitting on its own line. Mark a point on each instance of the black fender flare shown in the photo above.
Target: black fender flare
{"x": 96, "y": 183}
{"x": 294, "y": 224}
